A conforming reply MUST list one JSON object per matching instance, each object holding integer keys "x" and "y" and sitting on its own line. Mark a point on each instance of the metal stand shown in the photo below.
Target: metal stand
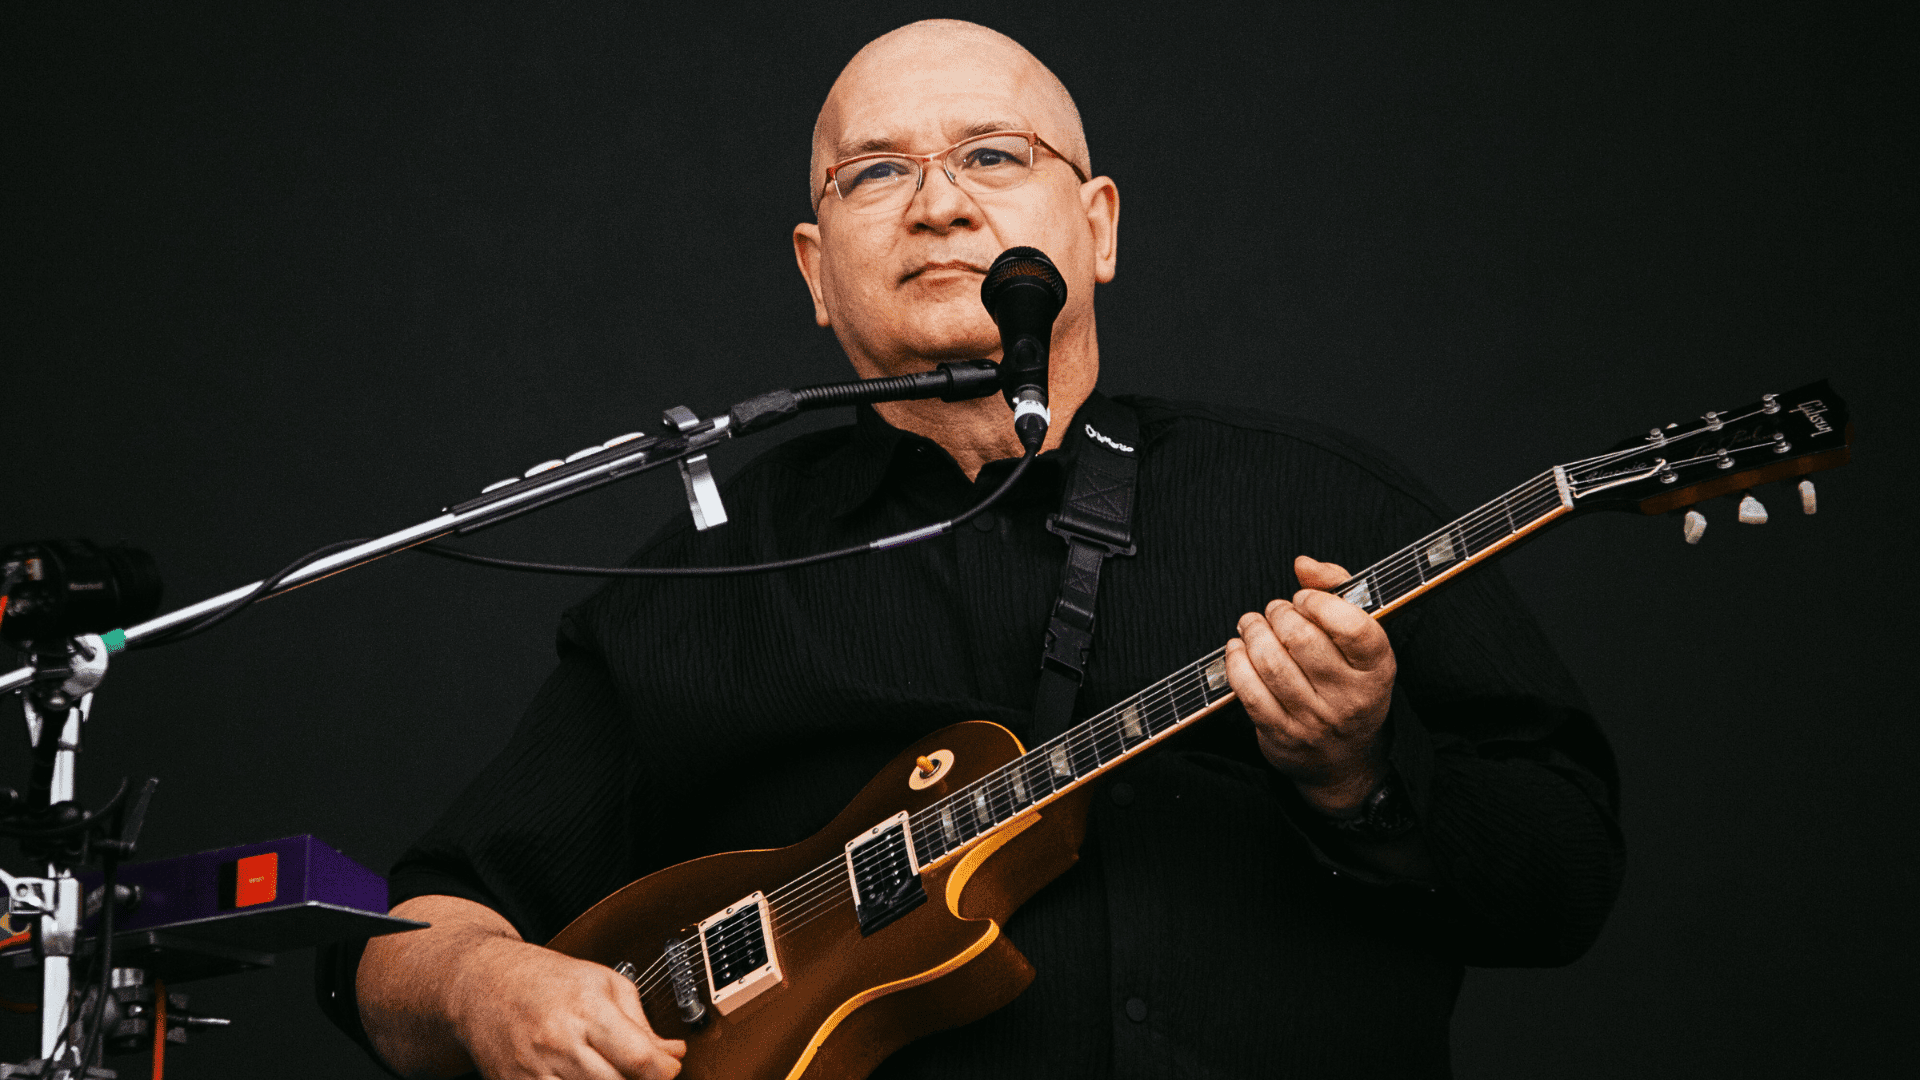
{"x": 57, "y": 713}
{"x": 60, "y": 712}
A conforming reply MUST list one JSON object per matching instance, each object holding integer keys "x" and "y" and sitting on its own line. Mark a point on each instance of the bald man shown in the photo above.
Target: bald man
{"x": 1238, "y": 910}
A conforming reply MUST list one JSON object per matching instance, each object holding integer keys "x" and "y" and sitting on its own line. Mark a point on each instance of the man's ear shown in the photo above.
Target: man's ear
{"x": 1101, "y": 200}
{"x": 806, "y": 252}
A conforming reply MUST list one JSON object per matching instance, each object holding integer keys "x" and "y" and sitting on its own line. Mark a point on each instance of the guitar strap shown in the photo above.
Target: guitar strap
{"x": 1096, "y": 521}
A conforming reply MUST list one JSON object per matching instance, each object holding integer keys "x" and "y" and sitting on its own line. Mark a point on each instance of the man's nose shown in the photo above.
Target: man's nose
{"x": 940, "y": 204}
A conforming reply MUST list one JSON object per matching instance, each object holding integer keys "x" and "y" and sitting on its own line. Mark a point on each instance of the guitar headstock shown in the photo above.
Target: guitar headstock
{"x": 1778, "y": 437}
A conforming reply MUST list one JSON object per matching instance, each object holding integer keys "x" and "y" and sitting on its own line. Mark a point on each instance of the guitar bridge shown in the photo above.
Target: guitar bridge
{"x": 885, "y": 874}
{"x": 684, "y": 980}
{"x": 737, "y": 945}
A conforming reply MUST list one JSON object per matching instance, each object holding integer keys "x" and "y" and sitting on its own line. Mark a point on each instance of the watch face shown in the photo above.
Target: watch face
{"x": 1384, "y": 815}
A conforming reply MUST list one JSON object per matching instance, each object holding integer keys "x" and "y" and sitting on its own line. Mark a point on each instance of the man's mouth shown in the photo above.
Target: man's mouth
{"x": 949, "y": 264}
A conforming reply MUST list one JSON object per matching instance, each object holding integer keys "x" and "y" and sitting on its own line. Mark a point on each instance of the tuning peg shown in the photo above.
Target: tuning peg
{"x": 1751, "y": 512}
{"x": 1807, "y": 502}
{"x": 1695, "y": 526}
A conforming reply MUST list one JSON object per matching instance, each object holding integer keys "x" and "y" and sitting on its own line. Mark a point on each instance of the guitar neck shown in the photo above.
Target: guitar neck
{"x": 1472, "y": 538}
{"x": 1117, "y": 734}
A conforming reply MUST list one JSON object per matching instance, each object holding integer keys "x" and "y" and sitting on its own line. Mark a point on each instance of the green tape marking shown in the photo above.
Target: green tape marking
{"x": 115, "y": 640}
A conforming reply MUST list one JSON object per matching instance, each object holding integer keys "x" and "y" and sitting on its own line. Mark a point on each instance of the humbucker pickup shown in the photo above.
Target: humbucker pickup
{"x": 737, "y": 945}
{"x": 885, "y": 874}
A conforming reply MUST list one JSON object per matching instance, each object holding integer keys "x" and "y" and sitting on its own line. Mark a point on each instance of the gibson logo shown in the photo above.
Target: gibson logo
{"x": 1815, "y": 412}
{"x": 1120, "y": 446}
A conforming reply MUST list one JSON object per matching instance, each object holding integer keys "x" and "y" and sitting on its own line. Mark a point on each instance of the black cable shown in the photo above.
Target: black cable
{"x": 897, "y": 540}
{"x": 96, "y": 1043}
{"x": 214, "y": 618}
{"x": 53, "y": 832}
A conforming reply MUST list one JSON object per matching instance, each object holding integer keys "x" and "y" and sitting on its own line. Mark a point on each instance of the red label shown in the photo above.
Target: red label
{"x": 256, "y": 879}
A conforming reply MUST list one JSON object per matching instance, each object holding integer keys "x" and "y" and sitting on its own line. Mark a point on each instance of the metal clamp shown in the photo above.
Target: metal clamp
{"x": 696, "y": 474}
{"x": 31, "y": 897}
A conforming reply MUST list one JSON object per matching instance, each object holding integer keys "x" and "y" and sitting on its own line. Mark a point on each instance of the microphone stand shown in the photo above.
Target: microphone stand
{"x": 60, "y": 685}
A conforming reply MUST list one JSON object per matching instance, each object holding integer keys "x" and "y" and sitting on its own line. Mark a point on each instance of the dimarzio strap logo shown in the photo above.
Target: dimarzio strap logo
{"x": 1116, "y": 444}
{"x": 1815, "y": 411}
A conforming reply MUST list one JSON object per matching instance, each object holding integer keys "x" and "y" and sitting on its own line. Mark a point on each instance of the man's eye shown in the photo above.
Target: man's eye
{"x": 986, "y": 157}
{"x": 878, "y": 173}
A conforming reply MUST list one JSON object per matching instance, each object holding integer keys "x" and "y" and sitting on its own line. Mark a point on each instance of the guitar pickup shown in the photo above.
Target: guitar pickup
{"x": 737, "y": 945}
{"x": 885, "y": 874}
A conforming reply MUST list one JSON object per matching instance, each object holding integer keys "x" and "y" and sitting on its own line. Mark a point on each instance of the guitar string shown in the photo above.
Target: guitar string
{"x": 787, "y": 920}
{"x": 919, "y": 821}
{"x": 1399, "y": 573}
{"x": 1088, "y": 747}
{"x": 1011, "y": 786}
{"x": 996, "y": 790}
{"x": 1001, "y": 788}
{"x": 962, "y": 802}
{"x": 795, "y": 904}
{"x": 1396, "y": 573}
{"x": 1668, "y": 440}
{"x": 793, "y": 920}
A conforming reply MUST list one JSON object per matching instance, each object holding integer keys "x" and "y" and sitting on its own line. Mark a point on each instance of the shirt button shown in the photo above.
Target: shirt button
{"x": 1136, "y": 1010}
{"x": 1122, "y": 795}
{"x": 984, "y": 522}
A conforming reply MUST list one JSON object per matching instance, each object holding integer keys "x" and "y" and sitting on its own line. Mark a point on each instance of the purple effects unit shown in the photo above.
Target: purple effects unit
{"x": 232, "y": 909}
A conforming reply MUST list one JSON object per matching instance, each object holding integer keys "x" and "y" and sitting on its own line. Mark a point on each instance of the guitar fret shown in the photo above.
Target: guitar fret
{"x": 1406, "y": 571}
{"x": 1095, "y": 743}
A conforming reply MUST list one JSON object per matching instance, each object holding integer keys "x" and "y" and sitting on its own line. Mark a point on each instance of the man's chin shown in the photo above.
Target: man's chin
{"x": 948, "y": 331}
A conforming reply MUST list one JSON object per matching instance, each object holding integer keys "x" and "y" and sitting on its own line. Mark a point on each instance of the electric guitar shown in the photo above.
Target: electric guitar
{"x": 820, "y": 959}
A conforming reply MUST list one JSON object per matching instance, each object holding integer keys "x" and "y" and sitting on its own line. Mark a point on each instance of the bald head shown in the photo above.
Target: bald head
{"x": 942, "y": 58}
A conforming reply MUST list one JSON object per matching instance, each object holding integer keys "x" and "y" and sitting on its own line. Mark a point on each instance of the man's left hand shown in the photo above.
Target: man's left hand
{"x": 1316, "y": 675}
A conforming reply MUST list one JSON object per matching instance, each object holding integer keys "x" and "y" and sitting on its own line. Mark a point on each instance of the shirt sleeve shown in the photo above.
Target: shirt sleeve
{"x": 547, "y": 829}
{"x": 541, "y": 834}
{"x": 1512, "y": 785}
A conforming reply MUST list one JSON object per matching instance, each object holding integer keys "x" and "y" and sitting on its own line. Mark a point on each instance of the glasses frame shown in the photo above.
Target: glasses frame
{"x": 924, "y": 160}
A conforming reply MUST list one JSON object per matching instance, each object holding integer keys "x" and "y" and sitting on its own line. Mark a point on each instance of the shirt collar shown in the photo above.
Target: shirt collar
{"x": 862, "y": 464}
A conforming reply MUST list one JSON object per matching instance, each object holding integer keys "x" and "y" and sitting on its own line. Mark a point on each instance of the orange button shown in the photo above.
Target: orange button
{"x": 256, "y": 879}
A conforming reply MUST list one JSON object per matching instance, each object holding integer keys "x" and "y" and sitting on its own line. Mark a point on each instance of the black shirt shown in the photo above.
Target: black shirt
{"x": 1213, "y": 926}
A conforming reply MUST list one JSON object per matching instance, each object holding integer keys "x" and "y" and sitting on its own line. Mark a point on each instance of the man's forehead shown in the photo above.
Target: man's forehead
{"x": 908, "y": 136}
{"x": 931, "y": 84}
{"x": 951, "y": 97}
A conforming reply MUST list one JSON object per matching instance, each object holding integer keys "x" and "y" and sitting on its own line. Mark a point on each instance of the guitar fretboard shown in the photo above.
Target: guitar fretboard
{"x": 1117, "y": 733}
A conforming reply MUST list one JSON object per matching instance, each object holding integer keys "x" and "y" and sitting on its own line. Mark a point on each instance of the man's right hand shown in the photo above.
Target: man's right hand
{"x": 468, "y": 993}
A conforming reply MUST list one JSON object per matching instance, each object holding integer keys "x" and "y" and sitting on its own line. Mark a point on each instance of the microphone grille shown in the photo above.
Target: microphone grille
{"x": 1018, "y": 265}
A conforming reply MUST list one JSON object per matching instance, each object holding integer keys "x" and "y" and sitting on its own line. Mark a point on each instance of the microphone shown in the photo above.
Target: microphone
{"x": 1023, "y": 292}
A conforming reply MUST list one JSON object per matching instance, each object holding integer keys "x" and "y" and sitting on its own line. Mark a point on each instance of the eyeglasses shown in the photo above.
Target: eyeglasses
{"x": 997, "y": 161}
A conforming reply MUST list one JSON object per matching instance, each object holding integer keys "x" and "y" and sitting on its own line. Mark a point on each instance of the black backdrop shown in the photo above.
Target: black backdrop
{"x": 278, "y": 277}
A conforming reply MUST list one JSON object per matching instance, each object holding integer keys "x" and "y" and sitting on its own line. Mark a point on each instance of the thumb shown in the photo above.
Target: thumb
{"x": 1314, "y": 574}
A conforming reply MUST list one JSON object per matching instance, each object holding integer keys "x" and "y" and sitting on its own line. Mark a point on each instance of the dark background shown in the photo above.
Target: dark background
{"x": 282, "y": 276}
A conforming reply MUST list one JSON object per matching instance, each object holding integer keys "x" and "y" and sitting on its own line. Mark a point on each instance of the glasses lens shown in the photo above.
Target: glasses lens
{"x": 875, "y": 183}
{"x": 992, "y": 162}
{"x": 989, "y": 163}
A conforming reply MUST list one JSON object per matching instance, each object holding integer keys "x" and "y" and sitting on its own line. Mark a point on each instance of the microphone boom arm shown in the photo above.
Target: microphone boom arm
{"x": 543, "y": 485}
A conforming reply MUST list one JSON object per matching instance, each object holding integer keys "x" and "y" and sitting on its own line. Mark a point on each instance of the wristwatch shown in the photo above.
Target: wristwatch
{"x": 1383, "y": 815}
